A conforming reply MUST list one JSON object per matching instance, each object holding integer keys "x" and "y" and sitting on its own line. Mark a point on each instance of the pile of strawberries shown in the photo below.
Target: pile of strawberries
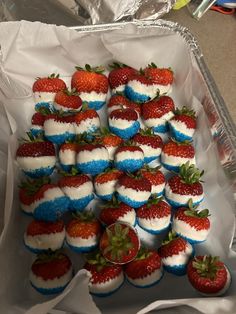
{"x": 70, "y": 159}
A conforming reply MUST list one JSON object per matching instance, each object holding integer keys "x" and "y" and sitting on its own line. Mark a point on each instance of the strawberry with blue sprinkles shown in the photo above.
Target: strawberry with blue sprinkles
{"x": 37, "y": 123}
{"x": 51, "y": 272}
{"x": 67, "y": 101}
{"x": 87, "y": 121}
{"x": 184, "y": 186}
{"x": 124, "y": 123}
{"x": 129, "y": 157}
{"x": 83, "y": 232}
{"x": 67, "y": 156}
{"x": 183, "y": 125}
{"x": 156, "y": 178}
{"x": 175, "y": 253}
{"x": 192, "y": 224}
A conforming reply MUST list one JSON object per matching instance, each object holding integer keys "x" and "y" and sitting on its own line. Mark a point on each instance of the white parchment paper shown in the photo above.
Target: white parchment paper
{"x": 29, "y": 50}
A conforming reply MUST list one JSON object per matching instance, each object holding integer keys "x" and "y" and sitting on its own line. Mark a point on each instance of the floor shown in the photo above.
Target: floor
{"x": 216, "y": 34}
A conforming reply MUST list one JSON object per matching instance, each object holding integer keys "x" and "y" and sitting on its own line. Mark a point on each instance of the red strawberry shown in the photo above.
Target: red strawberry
{"x": 159, "y": 76}
{"x": 50, "y": 84}
{"x": 181, "y": 188}
{"x": 154, "y": 217}
{"x": 119, "y": 243}
{"x": 42, "y": 236}
{"x": 38, "y": 119}
{"x": 208, "y": 275}
{"x": 105, "y": 183}
{"x": 129, "y": 158}
{"x": 78, "y": 188}
{"x": 109, "y": 140}
{"x": 192, "y": 224}
{"x": 67, "y": 100}
{"x": 83, "y": 232}
{"x": 92, "y": 85}
{"x": 119, "y": 76}
{"x": 56, "y": 268}
{"x": 174, "y": 154}
{"x": 156, "y": 178}
{"x": 150, "y": 143}
{"x": 140, "y": 88}
{"x": 87, "y": 121}
{"x": 133, "y": 190}
{"x": 119, "y": 101}
{"x": 145, "y": 270}
{"x": 115, "y": 211}
{"x": 175, "y": 253}
{"x": 37, "y": 157}
{"x": 106, "y": 278}
{"x": 183, "y": 124}
{"x": 67, "y": 155}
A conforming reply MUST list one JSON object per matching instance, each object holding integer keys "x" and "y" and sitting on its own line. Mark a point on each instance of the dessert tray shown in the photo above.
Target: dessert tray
{"x": 30, "y": 50}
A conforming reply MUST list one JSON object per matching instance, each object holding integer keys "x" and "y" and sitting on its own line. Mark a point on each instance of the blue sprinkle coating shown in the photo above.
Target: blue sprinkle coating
{"x": 101, "y": 295}
{"x": 37, "y": 132}
{"x": 178, "y": 270}
{"x": 135, "y": 96}
{"x": 107, "y": 197}
{"x": 191, "y": 241}
{"x": 162, "y": 128}
{"x": 81, "y": 203}
{"x": 159, "y": 194}
{"x": 66, "y": 168}
{"x": 130, "y": 165}
{"x": 52, "y": 210}
{"x": 147, "y": 286}
{"x": 170, "y": 167}
{"x": 147, "y": 160}
{"x": 38, "y": 251}
{"x": 96, "y": 105}
{"x": 151, "y": 231}
{"x": 44, "y": 104}
{"x": 177, "y": 204}
{"x": 84, "y": 249}
{"x": 60, "y": 138}
{"x": 127, "y": 133}
{"x": 40, "y": 172}
{"x": 93, "y": 167}
{"x": 179, "y": 136}
{"x": 49, "y": 291}
{"x": 130, "y": 202}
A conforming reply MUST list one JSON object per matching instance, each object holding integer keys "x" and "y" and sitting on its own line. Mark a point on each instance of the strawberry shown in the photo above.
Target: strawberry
{"x": 118, "y": 101}
{"x": 157, "y": 112}
{"x": 183, "y": 125}
{"x": 119, "y": 76}
{"x": 66, "y": 100}
{"x": 156, "y": 178}
{"x": 50, "y": 203}
{"x": 37, "y": 122}
{"x": 109, "y": 140}
{"x": 208, "y": 275}
{"x": 45, "y": 89}
{"x": 174, "y": 154}
{"x": 145, "y": 270}
{"x": 37, "y": 158}
{"x": 129, "y": 158}
{"x": 83, "y": 232}
{"x": 59, "y": 128}
{"x": 154, "y": 217}
{"x": 191, "y": 224}
{"x": 161, "y": 78}
{"x": 53, "y": 268}
{"x": 175, "y": 253}
{"x": 124, "y": 123}
{"x": 87, "y": 121}
{"x": 140, "y": 88}
{"x": 92, "y": 85}
{"x": 105, "y": 183}
{"x": 115, "y": 211}
{"x": 92, "y": 158}
{"x": 67, "y": 155}
{"x": 106, "y": 278}
{"x": 41, "y": 236}
{"x": 133, "y": 190}
{"x": 150, "y": 143}
{"x": 184, "y": 186}
{"x": 78, "y": 188}
{"x": 119, "y": 243}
